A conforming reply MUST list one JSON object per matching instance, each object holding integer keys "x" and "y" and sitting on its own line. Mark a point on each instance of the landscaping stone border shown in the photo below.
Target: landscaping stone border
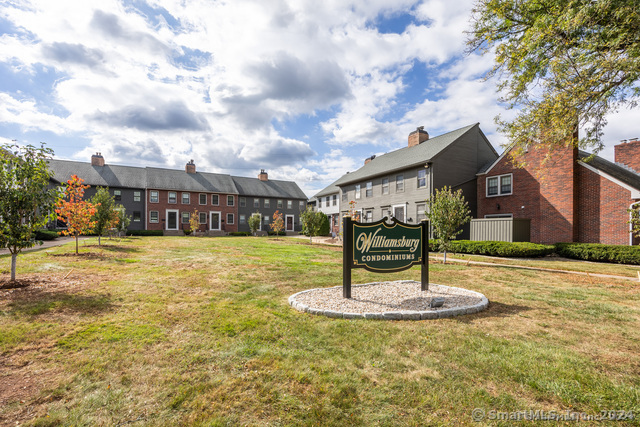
{"x": 434, "y": 313}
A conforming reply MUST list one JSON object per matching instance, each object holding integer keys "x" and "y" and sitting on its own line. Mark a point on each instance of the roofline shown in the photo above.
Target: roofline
{"x": 387, "y": 172}
{"x": 497, "y": 160}
{"x": 635, "y": 192}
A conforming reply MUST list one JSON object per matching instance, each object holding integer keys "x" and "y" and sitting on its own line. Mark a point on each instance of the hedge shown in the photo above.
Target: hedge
{"x": 144, "y": 232}
{"x": 46, "y": 234}
{"x": 596, "y": 252}
{"x": 240, "y": 233}
{"x": 493, "y": 248}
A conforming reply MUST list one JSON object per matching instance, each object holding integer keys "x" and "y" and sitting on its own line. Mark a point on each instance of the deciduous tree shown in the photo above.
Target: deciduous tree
{"x": 562, "y": 64}
{"x": 123, "y": 219}
{"x": 77, "y": 213}
{"x": 277, "y": 225}
{"x": 448, "y": 211}
{"x": 194, "y": 222}
{"x": 313, "y": 223}
{"x": 105, "y": 216}
{"x": 26, "y": 201}
{"x": 254, "y": 222}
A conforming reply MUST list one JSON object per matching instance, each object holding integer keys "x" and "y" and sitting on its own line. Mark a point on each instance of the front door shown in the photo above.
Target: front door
{"x": 172, "y": 220}
{"x": 398, "y": 212}
{"x": 289, "y": 222}
{"x": 215, "y": 221}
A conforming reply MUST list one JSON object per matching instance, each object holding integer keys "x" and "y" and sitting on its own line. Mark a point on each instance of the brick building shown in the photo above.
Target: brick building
{"x": 568, "y": 196}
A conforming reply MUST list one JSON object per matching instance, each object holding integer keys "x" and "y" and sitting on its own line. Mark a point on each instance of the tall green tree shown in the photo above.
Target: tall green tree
{"x": 563, "y": 64}
{"x": 26, "y": 201}
{"x": 123, "y": 220}
{"x": 314, "y": 223}
{"x": 254, "y": 222}
{"x": 448, "y": 211}
{"x": 105, "y": 216}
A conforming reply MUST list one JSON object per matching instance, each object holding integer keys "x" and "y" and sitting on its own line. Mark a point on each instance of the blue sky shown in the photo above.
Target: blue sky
{"x": 304, "y": 89}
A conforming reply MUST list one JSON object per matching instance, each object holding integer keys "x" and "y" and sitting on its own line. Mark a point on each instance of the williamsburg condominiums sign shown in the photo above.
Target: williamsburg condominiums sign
{"x": 384, "y": 246}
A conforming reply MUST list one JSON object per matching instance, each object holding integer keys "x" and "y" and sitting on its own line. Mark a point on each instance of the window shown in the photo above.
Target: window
{"x": 422, "y": 178}
{"x": 153, "y": 216}
{"x": 117, "y": 195}
{"x": 368, "y": 215}
{"x": 185, "y": 217}
{"x": 326, "y": 201}
{"x": 335, "y": 200}
{"x": 256, "y": 203}
{"x": 279, "y": 204}
{"x": 229, "y": 218}
{"x": 202, "y": 199}
{"x": 420, "y": 212}
{"x": 215, "y": 199}
{"x": 229, "y": 200}
{"x": 136, "y": 196}
{"x": 186, "y": 198}
{"x": 320, "y": 202}
{"x": 385, "y": 185}
{"x": 499, "y": 185}
{"x": 203, "y": 216}
{"x": 267, "y": 203}
{"x": 243, "y": 219}
{"x": 289, "y": 204}
{"x": 137, "y": 216}
{"x": 153, "y": 196}
{"x": 400, "y": 183}
{"x": 369, "y": 192}
{"x": 357, "y": 191}
{"x": 243, "y": 202}
{"x": 266, "y": 220}
{"x": 173, "y": 197}
{"x": 301, "y": 205}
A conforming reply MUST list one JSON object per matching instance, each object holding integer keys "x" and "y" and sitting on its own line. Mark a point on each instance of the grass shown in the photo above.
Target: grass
{"x": 195, "y": 331}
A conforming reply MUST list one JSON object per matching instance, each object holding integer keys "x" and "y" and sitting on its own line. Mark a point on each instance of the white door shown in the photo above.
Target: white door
{"x": 214, "y": 223}
{"x": 399, "y": 212}
{"x": 172, "y": 219}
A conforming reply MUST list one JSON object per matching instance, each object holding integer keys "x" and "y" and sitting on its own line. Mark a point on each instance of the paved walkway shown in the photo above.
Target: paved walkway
{"x": 47, "y": 244}
{"x": 329, "y": 241}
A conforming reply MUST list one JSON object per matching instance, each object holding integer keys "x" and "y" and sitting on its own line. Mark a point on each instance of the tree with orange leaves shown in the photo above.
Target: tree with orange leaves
{"x": 77, "y": 213}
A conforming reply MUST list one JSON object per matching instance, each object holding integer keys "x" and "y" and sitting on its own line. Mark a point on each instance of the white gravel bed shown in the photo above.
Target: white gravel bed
{"x": 399, "y": 300}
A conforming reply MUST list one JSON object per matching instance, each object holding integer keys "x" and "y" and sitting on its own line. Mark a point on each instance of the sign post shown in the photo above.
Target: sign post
{"x": 384, "y": 248}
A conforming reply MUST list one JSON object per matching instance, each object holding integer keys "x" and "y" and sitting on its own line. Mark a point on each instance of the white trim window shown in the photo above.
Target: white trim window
{"x": 186, "y": 198}
{"x": 399, "y": 183}
{"x": 385, "y": 186}
{"x": 215, "y": 199}
{"x": 202, "y": 199}
{"x": 153, "y": 196}
{"x": 229, "y": 218}
{"x": 203, "y": 217}
{"x": 369, "y": 190}
{"x": 422, "y": 178}
{"x": 267, "y": 203}
{"x": 154, "y": 217}
{"x": 185, "y": 217}
{"x": 230, "y": 200}
{"x": 500, "y": 185}
{"x": 136, "y": 196}
{"x": 357, "y": 191}
{"x": 256, "y": 203}
{"x": 173, "y": 197}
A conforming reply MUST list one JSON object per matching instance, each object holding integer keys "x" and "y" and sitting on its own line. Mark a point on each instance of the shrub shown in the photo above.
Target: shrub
{"x": 240, "y": 233}
{"x": 279, "y": 233}
{"x": 46, "y": 235}
{"x": 492, "y": 248}
{"x": 144, "y": 232}
{"x": 603, "y": 253}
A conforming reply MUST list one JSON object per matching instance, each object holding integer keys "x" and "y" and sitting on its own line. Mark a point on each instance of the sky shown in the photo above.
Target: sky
{"x": 303, "y": 89}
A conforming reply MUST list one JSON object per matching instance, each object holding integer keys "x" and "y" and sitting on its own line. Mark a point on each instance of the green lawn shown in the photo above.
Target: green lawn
{"x": 197, "y": 331}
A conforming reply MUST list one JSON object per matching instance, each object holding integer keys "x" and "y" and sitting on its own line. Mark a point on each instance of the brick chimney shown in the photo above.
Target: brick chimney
{"x": 418, "y": 136}
{"x": 97, "y": 160}
{"x": 628, "y": 153}
{"x": 368, "y": 159}
{"x": 263, "y": 176}
{"x": 190, "y": 167}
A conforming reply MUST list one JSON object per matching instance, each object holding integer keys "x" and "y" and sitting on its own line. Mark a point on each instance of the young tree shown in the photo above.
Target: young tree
{"x": 277, "y": 225}
{"x": 105, "y": 217}
{"x": 564, "y": 65}
{"x": 26, "y": 201}
{"x": 634, "y": 220}
{"x": 77, "y": 213}
{"x": 123, "y": 220}
{"x": 194, "y": 222}
{"x": 254, "y": 222}
{"x": 448, "y": 211}
{"x": 313, "y": 222}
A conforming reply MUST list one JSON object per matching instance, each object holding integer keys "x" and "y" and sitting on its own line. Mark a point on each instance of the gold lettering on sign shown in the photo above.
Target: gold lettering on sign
{"x": 366, "y": 242}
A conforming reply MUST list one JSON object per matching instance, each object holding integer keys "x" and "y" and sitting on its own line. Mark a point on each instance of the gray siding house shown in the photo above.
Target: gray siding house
{"x": 400, "y": 182}
{"x": 264, "y": 196}
{"x": 125, "y": 183}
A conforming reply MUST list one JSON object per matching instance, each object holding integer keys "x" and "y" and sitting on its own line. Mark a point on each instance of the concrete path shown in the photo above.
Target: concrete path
{"x": 47, "y": 244}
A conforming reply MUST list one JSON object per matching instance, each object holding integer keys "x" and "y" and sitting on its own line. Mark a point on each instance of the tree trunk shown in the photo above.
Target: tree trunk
{"x": 13, "y": 266}
{"x": 99, "y": 239}
{"x": 310, "y": 238}
{"x": 445, "y": 257}
{"x": 76, "y": 244}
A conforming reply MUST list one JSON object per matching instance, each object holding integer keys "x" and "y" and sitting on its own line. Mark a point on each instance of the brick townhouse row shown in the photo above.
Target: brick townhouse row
{"x": 164, "y": 199}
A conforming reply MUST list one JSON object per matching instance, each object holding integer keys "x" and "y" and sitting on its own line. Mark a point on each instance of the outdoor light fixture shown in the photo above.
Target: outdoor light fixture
{"x": 498, "y": 206}
{"x": 436, "y": 302}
